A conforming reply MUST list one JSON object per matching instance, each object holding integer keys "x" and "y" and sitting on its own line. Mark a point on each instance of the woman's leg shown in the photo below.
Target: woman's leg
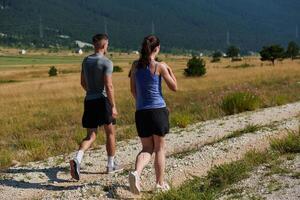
{"x": 160, "y": 157}
{"x": 144, "y": 157}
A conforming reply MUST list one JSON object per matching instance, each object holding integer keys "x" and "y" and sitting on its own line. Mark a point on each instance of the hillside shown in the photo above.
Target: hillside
{"x": 189, "y": 24}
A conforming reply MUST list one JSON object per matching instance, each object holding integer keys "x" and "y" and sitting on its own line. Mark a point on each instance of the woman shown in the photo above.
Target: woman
{"x": 152, "y": 116}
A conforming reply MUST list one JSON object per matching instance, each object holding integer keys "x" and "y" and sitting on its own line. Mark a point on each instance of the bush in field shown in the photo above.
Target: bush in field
{"x": 272, "y": 53}
{"x": 52, "y": 71}
{"x": 233, "y": 52}
{"x": 292, "y": 50}
{"x": 195, "y": 67}
{"x": 216, "y": 56}
{"x": 239, "y": 102}
{"x": 118, "y": 69}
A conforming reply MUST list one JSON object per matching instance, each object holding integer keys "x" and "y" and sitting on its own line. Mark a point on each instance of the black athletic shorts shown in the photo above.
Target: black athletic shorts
{"x": 152, "y": 122}
{"x": 97, "y": 112}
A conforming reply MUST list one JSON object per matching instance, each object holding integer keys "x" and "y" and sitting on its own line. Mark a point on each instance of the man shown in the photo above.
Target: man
{"x": 99, "y": 104}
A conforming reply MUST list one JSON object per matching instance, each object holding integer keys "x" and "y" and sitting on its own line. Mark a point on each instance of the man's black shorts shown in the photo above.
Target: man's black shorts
{"x": 97, "y": 112}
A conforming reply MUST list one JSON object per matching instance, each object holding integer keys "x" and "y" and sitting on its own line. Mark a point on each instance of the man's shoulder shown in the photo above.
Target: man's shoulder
{"x": 107, "y": 61}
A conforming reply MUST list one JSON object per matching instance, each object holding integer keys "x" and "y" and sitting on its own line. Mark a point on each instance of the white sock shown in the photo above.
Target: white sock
{"x": 110, "y": 161}
{"x": 79, "y": 155}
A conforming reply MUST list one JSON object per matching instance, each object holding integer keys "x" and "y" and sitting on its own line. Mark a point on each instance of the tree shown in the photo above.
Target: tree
{"x": 195, "y": 67}
{"x": 233, "y": 51}
{"x": 272, "y": 53}
{"x": 216, "y": 56}
{"x": 292, "y": 50}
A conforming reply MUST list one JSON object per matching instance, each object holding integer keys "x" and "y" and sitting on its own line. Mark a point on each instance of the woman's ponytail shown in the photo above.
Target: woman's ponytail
{"x": 148, "y": 46}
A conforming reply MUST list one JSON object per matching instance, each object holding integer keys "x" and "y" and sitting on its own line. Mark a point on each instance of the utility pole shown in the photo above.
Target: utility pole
{"x": 105, "y": 26}
{"x": 153, "y": 28}
{"x": 41, "y": 27}
{"x": 228, "y": 38}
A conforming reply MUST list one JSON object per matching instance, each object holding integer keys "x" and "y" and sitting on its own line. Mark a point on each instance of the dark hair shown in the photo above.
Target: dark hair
{"x": 149, "y": 44}
{"x": 99, "y": 37}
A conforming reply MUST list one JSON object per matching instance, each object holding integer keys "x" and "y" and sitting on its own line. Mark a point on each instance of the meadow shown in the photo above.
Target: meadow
{"x": 40, "y": 116}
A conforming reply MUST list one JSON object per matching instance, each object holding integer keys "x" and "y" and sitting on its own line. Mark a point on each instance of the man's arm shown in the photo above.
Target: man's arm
{"x": 82, "y": 78}
{"x": 109, "y": 88}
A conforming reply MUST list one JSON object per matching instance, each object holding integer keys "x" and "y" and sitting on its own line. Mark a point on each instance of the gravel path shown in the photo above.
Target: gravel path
{"x": 50, "y": 179}
{"x": 277, "y": 182}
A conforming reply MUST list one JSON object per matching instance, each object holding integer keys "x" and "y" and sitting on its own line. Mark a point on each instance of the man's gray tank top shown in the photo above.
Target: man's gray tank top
{"x": 94, "y": 68}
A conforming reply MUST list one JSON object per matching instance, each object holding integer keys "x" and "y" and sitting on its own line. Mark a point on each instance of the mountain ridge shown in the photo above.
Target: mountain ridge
{"x": 190, "y": 24}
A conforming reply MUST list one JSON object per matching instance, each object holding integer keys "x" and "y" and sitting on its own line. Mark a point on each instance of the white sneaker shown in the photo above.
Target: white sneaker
{"x": 162, "y": 188}
{"x": 134, "y": 183}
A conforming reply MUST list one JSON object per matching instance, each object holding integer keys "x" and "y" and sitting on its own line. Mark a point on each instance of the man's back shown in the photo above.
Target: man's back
{"x": 95, "y": 67}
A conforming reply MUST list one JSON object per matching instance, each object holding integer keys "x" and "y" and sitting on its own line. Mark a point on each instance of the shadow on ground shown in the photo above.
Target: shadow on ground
{"x": 50, "y": 184}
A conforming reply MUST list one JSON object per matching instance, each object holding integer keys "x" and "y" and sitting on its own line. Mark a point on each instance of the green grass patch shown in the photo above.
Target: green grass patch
{"x": 248, "y": 129}
{"x": 239, "y": 102}
{"x": 290, "y": 144}
{"x": 5, "y": 158}
{"x": 218, "y": 178}
{"x": 221, "y": 177}
{"x": 181, "y": 120}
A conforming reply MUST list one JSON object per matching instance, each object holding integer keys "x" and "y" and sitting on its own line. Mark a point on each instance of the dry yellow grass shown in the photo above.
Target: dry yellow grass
{"x": 40, "y": 116}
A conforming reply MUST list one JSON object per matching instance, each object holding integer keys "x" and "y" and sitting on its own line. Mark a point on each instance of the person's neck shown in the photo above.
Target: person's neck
{"x": 100, "y": 51}
{"x": 152, "y": 57}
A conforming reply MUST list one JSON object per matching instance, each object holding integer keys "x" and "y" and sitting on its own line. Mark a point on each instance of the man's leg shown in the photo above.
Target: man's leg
{"x": 88, "y": 140}
{"x": 85, "y": 145}
{"x": 112, "y": 166}
{"x": 110, "y": 140}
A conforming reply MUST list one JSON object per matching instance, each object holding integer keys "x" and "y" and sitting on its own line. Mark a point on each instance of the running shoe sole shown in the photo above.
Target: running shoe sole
{"x": 133, "y": 184}
{"x": 74, "y": 172}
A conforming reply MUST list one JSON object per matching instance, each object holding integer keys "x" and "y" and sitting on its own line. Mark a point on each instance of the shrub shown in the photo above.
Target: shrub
{"x": 292, "y": 50}
{"x": 52, "y": 71}
{"x": 195, "y": 67}
{"x": 118, "y": 69}
{"x": 233, "y": 51}
{"x": 240, "y": 102}
{"x": 216, "y": 56}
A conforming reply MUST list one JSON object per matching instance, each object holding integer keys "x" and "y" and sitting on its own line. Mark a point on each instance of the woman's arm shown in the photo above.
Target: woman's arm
{"x": 168, "y": 75}
{"x": 132, "y": 80}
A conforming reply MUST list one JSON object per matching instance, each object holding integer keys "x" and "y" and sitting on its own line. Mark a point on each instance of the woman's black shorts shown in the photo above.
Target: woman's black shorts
{"x": 97, "y": 112}
{"x": 152, "y": 122}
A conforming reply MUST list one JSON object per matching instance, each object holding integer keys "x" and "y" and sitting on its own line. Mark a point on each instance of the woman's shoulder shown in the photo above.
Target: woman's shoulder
{"x": 162, "y": 65}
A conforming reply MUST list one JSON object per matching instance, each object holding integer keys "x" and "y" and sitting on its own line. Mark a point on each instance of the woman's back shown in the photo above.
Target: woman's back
{"x": 148, "y": 88}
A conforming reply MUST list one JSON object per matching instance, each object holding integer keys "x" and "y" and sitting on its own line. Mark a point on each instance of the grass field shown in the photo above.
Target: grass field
{"x": 40, "y": 116}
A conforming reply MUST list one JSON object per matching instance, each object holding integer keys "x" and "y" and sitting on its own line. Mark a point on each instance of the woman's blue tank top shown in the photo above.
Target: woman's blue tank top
{"x": 148, "y": 89}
